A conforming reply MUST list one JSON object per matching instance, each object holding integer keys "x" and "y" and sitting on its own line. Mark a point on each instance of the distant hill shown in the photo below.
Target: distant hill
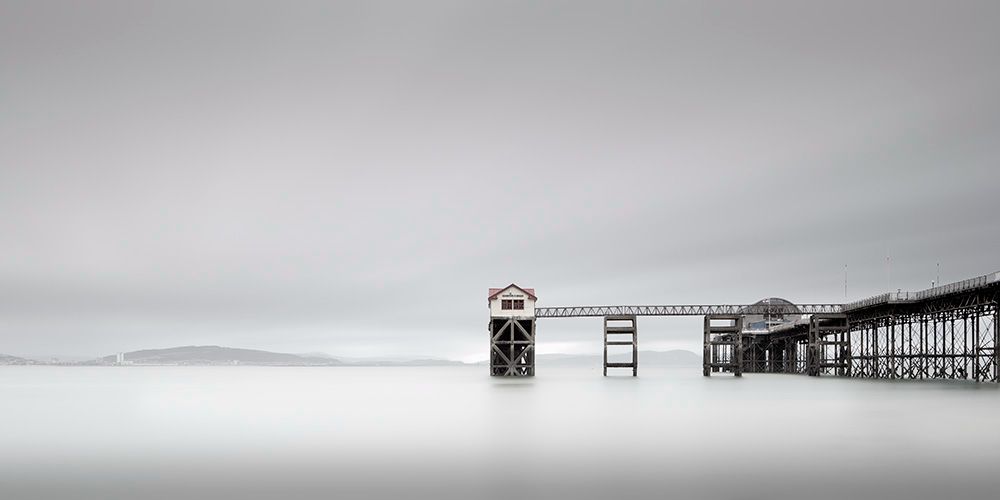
{"x": 217, "y": 355}
{"x": 14, "y": 360}
{"x": 675, "y": 357}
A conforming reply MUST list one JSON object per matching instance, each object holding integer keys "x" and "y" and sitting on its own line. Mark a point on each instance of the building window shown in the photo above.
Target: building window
{"x": 519, "y": 305}
{"x": 506, "y": 304}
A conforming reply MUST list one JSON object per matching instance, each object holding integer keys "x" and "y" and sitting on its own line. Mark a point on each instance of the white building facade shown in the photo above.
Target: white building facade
{"x": 512, "y": 301}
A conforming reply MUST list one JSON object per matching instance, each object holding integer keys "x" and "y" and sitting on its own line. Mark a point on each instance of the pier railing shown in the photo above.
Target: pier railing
{"x": 937, "y": 291}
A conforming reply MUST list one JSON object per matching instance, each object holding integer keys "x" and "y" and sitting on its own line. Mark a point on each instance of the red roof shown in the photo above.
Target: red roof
{"x": 495, "y": 291}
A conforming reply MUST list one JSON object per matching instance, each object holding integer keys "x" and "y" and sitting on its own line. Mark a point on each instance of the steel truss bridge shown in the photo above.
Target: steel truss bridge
{"x": 683, "y": 310}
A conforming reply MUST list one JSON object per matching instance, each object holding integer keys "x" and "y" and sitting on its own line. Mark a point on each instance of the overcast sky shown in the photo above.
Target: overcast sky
{"x": 351, "y": 177}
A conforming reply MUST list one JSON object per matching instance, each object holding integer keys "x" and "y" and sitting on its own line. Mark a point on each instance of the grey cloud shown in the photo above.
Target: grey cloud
{"x": 337, "y": 176}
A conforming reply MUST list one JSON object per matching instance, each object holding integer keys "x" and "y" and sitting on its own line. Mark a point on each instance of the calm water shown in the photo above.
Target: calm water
{"x": 247, "y": 432}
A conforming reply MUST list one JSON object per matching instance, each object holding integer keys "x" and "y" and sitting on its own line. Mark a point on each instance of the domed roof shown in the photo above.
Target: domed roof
{"x": 777, "y": 305}
{"x": 768, "y": 313}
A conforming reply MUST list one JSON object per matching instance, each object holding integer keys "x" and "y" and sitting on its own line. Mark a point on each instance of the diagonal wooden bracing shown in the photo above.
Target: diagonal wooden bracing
{"x": 512, "y": 347}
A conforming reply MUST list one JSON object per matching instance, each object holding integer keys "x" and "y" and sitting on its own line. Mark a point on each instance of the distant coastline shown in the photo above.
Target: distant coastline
{"x": 212, "y": 355}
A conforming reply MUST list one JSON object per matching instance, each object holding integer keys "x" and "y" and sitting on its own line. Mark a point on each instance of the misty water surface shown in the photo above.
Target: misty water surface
{"x": 454, "y": 432}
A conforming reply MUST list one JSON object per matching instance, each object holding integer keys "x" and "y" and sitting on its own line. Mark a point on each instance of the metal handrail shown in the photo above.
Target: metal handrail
{"x": 937, "y": 291}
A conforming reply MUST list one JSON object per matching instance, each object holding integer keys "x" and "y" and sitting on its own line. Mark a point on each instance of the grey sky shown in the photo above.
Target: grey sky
{"x": 351, "y": 177}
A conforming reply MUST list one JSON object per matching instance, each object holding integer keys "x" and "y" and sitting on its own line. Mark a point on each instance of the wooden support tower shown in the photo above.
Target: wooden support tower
{"x": 723, "y": 345}
{"x": 512, "y": 331}
{"x": 512, "y": 347}
{"x": 621, "y": 331}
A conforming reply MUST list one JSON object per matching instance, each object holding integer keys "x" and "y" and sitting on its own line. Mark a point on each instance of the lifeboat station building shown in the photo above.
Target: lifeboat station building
{"x": 512, "y": 331}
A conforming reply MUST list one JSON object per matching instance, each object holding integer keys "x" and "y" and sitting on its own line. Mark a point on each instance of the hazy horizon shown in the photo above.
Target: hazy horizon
{"x": 351, "y": 177}
{"x": 544, "y": 357}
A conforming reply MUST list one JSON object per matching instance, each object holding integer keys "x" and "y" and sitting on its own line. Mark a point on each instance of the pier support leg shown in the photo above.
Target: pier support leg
{"x": 996, "y": 342}
{"x": 621, "y": 331}
{"x": 723, "y": 345}
{"x": 706, "y": 351}
{"x": 791, "y": 356}
{"x": 827, "y": 345}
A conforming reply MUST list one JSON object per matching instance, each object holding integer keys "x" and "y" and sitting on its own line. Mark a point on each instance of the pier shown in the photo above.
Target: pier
{"x": 944, "y": 332}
